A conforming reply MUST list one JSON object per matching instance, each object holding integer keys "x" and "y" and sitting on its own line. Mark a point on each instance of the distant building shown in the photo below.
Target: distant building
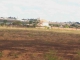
{"x": 35, "y": 22}
{"x": 43, "y": 23}
{"x": 12, "y": 18}
{"x": 9, "y": 20}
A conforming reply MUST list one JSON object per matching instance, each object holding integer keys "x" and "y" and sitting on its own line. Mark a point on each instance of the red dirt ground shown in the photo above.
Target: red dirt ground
{"x": 33, "y": 45}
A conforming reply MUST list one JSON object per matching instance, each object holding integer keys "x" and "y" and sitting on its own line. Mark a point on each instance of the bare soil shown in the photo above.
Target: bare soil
{"x": 33, "y": 45}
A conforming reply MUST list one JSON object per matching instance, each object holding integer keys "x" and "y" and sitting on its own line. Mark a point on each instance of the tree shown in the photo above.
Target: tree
{"x": 30, "y": 22}
{"x": 4, "y": 22}
{"x": 75, "y": 26}
{"x": 17, "y": 23}
{"x": 33, "y": 22}
{"x": 66, "y": 26}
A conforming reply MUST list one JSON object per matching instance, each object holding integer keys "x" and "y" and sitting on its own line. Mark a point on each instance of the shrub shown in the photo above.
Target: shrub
{"x": 1, "y": 54}
{"x": 51, "y": 56}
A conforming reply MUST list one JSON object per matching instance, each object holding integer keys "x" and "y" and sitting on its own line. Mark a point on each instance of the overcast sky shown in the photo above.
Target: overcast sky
{"x": 51, "y": 10}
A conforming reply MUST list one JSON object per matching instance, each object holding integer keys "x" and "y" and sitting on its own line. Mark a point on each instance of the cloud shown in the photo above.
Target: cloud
{"x": 18, "y": 9}
{"x": 57, "y": 10}
{"x": 73, "y": 1}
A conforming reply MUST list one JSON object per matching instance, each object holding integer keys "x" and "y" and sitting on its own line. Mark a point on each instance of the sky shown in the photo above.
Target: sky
{"x": 51, "y": 10}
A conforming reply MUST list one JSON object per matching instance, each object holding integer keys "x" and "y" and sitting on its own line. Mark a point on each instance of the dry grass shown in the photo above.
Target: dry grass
{"x": 32, "y": 44}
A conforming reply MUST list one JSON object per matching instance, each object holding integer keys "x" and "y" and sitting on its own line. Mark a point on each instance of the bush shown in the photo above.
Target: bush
{"x": 51, "y": 56}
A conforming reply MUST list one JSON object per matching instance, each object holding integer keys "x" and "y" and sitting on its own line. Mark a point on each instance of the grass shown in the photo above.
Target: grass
{"x": 50, "y": 56}
{"x": 1, "y": 54}
{"x": 40, "y": 44}
{"x": 59, "y": 30}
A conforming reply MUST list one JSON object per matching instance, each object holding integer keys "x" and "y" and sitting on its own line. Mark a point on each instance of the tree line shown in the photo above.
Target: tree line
{"x": 29, "y": 23}
{"x": 66, "y": 25}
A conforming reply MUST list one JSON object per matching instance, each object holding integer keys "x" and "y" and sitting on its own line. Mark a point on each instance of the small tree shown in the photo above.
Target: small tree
{"x": 66, "y": 26}
{"x": 4, "y": 22}
{"x": 18, "y": 23}
{"x": 30, "y": 22}
{"x": 33, "y": 22}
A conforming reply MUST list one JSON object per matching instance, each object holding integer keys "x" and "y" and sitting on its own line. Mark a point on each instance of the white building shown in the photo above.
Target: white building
{"x": 43, "y": 23}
